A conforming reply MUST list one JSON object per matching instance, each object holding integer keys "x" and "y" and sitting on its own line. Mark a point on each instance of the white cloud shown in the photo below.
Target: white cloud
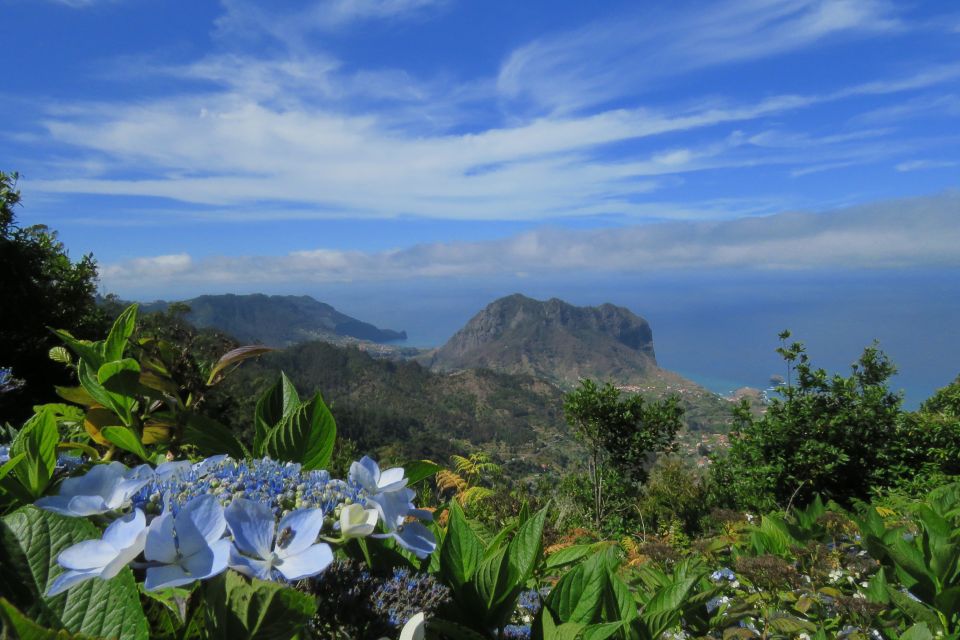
{"x": 893, "y": 234}
{"x": 605, "y": 60}
{"x": 918, "y": 165}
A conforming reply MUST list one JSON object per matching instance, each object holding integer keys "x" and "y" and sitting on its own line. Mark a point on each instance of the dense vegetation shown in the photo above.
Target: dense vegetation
{"x": 834, "y": 514}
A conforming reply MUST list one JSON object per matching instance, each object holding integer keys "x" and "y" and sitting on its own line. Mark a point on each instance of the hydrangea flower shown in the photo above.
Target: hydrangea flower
{"x": 414, "y": 537}
{"x": 260, "y": 551}
{"x": 357, "y": 522}
{"x": 122, "y": 541}
{"x": 105, "y": 487}
{"x": 188, "y": 545}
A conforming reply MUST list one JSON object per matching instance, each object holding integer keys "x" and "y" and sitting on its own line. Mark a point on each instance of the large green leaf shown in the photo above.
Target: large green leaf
{"x": 278, "y": 403}
{"x": 120, "y": 332}
{"x": 256, "y": 610}
{"x": 120, "y": 377}
{"x": 30, "y": 541}
{"x": 526, "y": 547}
{"x": 26, "y": 629}
{"x": 125, "y": 439}
{"x": 37, "y": 441}
{"x": 88, "y": 352}
{"x": 210, "y": 437}
{"x": 461, "y": 551}
{"x": 578, "y": 595}
{"x": 417, "y": 470}
{"x": 306, "y": 436}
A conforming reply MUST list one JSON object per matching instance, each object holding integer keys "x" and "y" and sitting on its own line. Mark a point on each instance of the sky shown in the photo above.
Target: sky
{"x": 450, "y": 150}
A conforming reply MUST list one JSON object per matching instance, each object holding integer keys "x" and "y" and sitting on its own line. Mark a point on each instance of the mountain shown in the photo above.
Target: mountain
{"x": 553, "y": 340}
{"x": 278, "y": 320}
{"x": 563, "y": 344}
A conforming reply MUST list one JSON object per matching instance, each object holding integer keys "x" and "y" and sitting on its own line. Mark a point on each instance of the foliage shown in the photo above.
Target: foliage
{"x": 40, "y": 288}
{"x": 842, "y": 437}
{"x": 620, "y": 435}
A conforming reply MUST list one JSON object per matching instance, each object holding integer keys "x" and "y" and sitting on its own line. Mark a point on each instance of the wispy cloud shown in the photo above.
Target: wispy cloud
{"x": 606, "y": 60}
{"x": 919, "y": 165}
{"x": 893, "y": 234}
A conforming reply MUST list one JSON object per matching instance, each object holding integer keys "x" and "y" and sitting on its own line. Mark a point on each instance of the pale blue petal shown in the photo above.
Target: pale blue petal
{"x": 98, "y": 481}
{"x": 365, "y": 473}
{"x": 168, "y": 575}
{"x": 160, "y": 545}
{"x": 57, "y": 504}
{"x": 189, "y": 538}
{"x": 421, "y": 514}
{"x": 89, "y": 554}
{"x": 249, "y": 566}
{"x": 88, "y": 505}
{"x": 69, "y": 578}
{"x": 207, "y": 516}
{"x": 252, "y": 524}
{"x": 392, "y": 480}
{"x": 304, "y": 525}
{"x": 125, "y": 556}
{"x": 203, "y": 467}
{"x": 208, "y": 562}
{"x": 394, "y": 507}
{"x": 414, "y": 537}
{"x": 308, "y": 563}
{"x": 172, "y": 469}
{"x": 124, "y": 530}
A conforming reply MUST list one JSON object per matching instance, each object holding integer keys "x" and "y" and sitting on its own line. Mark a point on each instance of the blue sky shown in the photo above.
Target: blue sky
{"x": 400, "y": 150}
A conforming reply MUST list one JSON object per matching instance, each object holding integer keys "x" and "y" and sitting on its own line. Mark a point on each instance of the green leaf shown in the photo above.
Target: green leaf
{"x": 578, "y": 594}
{"x": 120, "y": 333}
{"x": 919, "y": 631}
{"x": 38, "y": 442}
{"x": 417, "y": 470}
{"x": 493, "y": 582}
{"x": 789, "y": 625}
{"x": 91, "y": 384}
{"x": 76, "y": 395}
{"x": 125, "y": 439}
{"x": 461, "y": 551}
{"x": 914, "y": 610}
{"x": 26, "y": 629}
{"x": 276, "y": 404}
{"x": 569, "y": 555}
{"x": 257, "y": 610}
{"x": 601, "y": 631}
{"x": 120, "y": 377}
{"x": 526, "y": 547}
{"x": 306, "y": 436}
{"x": 210, "y": 437}
{"x": 87, "y": 351}
{"x": 30, "y": 541}
{"x": 236, "y": 356}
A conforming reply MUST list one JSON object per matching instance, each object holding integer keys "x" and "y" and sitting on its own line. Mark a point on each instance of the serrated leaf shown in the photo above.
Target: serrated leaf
{"x": 60, "y": 354}
{"x": 569, "y": 555}
{"x": 30, "y": 541}
{"x": 790, "y": 625}
{"x": 26, "y": 629}
{"x": 276, "y": 404}
{"x": 234, "y": 357}
{"x": 87, "y": 351}
{"x": 526, "y": 547}
{"x": 254, "y": 609}
{"x": 306, "y": 436}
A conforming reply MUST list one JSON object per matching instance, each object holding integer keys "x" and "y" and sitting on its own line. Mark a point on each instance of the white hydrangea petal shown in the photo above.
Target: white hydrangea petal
{"x": 89, "y": 554}
{"x": 308, "y": 562}
{"x": 392, "y": 480}
{"x": 304, "y": 526}
{"x": 253, "y": 525}
{"x": 415, "y": 629}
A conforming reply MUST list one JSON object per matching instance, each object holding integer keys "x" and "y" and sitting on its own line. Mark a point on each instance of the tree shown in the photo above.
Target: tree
{"x": 621, "y": 435}
{"x": 831, "y": 435}
{"x": 40, "y": 288}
